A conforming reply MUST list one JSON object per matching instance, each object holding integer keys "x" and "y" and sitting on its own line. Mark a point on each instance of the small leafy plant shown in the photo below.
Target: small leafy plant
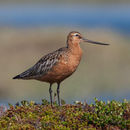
{"x": 100, "y": 115}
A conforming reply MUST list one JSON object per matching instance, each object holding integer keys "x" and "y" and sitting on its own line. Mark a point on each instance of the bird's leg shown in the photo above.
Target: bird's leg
{"x": 58, "y": 91}
{"x": 50, "y": 91}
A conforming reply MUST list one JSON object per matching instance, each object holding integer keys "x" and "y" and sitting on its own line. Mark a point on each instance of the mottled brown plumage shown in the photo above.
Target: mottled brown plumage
{"x": 58, "y": 65}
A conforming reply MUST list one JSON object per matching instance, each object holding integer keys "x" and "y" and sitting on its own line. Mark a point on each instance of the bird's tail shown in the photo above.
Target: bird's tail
{"x": 25, "y": 75}
{"x": 17, "y": 77}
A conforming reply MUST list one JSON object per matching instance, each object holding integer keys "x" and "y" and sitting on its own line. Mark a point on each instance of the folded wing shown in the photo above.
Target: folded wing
{"x": 44, "y": 65}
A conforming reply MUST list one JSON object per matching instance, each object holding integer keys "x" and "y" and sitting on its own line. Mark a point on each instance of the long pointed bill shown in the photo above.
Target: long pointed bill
{"x": 94, "y": 42}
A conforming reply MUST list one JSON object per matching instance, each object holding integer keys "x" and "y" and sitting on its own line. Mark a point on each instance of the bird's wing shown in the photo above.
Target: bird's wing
{"x": 42, "y": 66}
{"x": 46, "y": 63}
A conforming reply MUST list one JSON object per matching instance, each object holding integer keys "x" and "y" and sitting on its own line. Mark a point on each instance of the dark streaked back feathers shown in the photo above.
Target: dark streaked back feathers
{"x": 42, "y": 66}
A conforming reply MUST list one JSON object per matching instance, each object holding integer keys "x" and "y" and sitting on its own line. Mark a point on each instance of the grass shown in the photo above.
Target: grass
{"x": 105, "y": 66}
{"x": 99, "y": 115}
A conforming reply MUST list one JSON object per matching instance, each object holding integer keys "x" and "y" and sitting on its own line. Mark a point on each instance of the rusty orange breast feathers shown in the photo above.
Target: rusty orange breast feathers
{"x": 67, "y": 64}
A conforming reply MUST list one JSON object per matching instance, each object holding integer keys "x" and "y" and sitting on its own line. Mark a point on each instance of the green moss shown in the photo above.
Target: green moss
{"x": 99, "y": 115}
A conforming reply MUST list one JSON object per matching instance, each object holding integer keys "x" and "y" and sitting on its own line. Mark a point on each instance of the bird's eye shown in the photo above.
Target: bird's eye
{"x": 76, "y": 35}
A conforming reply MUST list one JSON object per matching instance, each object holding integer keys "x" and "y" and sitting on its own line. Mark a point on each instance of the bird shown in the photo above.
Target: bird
{"x": 58, "y": 65}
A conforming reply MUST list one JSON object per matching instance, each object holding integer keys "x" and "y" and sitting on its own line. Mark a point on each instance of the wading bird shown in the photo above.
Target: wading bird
{"x": 58, "y": 65}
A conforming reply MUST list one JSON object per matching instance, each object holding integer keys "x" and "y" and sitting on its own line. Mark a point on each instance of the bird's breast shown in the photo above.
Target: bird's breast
{"x": 74, "y": 60}
{"x": 67, "y": 64}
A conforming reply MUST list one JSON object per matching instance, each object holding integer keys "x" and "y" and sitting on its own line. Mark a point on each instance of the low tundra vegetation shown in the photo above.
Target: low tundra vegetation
{"x": 112, "y": 115}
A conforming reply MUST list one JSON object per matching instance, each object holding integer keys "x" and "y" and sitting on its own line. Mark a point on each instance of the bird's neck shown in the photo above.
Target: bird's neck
{"x": 74, "y": 47}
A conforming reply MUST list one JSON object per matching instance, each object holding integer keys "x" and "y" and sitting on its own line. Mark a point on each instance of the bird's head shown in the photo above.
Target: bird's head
{"x": 75, "y": 37}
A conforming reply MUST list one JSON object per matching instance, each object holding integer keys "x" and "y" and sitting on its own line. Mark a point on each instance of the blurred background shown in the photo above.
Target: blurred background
{"x": 30, "y": 29}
